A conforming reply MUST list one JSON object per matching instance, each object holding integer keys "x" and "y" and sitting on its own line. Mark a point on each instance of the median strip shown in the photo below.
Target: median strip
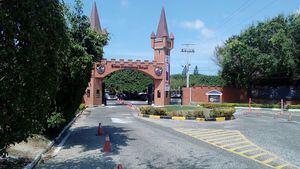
{"x": 216, "y": 119}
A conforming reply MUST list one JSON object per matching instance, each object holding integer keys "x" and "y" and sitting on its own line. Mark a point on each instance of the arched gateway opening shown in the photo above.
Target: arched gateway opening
{"x": 128, "y": 86}
{"x": 158, "y": 69}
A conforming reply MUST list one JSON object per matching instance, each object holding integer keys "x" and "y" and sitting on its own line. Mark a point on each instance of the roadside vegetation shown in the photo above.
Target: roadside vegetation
{"x": 211, "y": 105}
{"x": 47, "y": 51}
{"x": 267, "y": 53}
{"x": 188, "y": 111}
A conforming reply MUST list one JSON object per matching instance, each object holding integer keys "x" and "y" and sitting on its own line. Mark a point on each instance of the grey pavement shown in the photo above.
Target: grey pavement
{"x": 146, "y": 143}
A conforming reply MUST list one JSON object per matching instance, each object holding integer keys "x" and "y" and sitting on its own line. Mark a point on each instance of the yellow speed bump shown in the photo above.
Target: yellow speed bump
{"x": 154, "y": 117}
{"x": 178, "y": 118}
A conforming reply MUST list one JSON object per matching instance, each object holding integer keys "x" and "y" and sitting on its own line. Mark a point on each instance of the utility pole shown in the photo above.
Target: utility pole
{"x": 187, "y": 50}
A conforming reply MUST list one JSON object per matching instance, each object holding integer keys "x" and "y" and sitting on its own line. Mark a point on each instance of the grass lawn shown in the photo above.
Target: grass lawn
{"x": 173, "y": 108}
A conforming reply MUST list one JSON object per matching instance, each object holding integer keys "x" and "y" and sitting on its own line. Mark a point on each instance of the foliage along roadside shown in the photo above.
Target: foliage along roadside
{"x": 266, "y": 53}
{"x": 211, "y": 105}
{"x": 198, "y": 113}
{"x": 46, "y": 65}
{"x": 178, "y": 81}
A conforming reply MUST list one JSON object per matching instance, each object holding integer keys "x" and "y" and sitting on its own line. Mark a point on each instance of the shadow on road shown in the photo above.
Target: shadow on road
{"x": 84, "y": 148}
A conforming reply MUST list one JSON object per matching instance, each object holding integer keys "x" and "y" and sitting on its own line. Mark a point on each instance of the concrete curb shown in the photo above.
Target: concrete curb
{"x": 50, "y": 145}
{"x": 217, "y": 119}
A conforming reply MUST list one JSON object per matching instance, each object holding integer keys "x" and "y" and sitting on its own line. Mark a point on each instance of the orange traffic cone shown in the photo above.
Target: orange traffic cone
{"x": 100, "y": 130}
{"x": 120, "y": 166}
{"x": 107, "y": 145}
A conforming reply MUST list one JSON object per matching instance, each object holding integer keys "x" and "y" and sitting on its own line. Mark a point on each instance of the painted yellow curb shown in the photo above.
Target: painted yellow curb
{"x": 154, "y": 117}
{"x": 220, "y": 118}
{"x": 178, "y": 118}
{"x": 200, "y": 119}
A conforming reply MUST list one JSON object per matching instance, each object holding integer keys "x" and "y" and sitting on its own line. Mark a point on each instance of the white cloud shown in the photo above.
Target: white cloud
{"x": 207, "y": 33}
{"x": 124, "y": 2}
{"x": 198, "y": 25}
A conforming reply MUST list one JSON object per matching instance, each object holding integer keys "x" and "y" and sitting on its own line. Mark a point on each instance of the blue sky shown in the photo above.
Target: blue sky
{"x": 207, "y": 23}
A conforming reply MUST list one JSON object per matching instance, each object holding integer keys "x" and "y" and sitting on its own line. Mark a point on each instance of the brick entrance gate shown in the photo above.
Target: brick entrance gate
{"x": 158, "y": 69}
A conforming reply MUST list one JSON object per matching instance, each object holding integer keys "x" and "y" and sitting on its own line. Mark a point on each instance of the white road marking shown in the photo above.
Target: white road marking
{"x": 117, "y": 120}
{"x": 61, "y": 144}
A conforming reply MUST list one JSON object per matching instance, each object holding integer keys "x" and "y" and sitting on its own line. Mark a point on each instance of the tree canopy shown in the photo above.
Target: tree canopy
{"x": 31, "y": 52}
{"x": 178, "y": 81}
{"x": 46, "y": 53}
{"x": 266, "y": 53}
{"x": 127, "y": 81}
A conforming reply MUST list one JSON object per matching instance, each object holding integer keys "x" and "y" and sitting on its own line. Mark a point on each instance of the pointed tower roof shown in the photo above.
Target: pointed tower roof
{"x": 94, "y": 19}
{"x": 162, "y": 30}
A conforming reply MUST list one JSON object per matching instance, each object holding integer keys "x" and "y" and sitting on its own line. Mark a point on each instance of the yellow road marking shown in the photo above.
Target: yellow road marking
{"x": 210, "y": 133}
{"x": 238, "y": 147}
{"x": 232, "y": 144}
{"x": 222, "y": 136}
{"x": 257, "y": 155}
{"x": 269, "y": 160}
{"x": 249, "y": 150}
{"x": 282, "y": 165}
{"x": 224, "y": 142}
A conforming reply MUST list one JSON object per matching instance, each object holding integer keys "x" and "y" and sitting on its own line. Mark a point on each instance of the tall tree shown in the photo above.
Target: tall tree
{"x": 184, "y": 70}
{"x": 262, "y": 54}
{"x": 33, "y": 46}
{"x": 86, "y": 48}
{"x": 196, "y": 71}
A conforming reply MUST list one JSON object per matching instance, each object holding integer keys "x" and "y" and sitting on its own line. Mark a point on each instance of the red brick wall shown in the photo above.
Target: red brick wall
{"x": 230, "y": 94}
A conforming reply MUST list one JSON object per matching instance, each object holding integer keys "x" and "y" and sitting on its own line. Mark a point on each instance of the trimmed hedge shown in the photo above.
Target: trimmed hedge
{"x": 149, "y": 110}
{"x": 216, "y": 105}
{"x": 222, "y": 112}
{"x": 216, "y": 112}
{"x": 293, "y": 106}
{"x": 184, "y": 113}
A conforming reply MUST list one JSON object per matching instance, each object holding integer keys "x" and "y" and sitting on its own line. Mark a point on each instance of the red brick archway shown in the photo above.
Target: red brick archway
{"x": 158, "y": 69}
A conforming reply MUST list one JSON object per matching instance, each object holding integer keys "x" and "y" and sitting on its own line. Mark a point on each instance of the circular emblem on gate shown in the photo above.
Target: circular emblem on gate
{"x": 158, "y": 71}
{"x": 101, "y": 69}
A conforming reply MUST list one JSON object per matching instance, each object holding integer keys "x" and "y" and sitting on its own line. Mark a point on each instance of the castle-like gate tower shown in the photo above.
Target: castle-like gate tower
{"x": 159, "y": 69}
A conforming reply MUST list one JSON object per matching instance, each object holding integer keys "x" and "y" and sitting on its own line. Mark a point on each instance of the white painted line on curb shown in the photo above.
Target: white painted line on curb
{"x": 61, "y": 144}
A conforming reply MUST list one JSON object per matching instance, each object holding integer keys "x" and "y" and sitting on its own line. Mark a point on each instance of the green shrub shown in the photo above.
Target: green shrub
{"x": 294, "y": 106}
{"x": 82, "y": 107}
{"x": 222, "y": 112}
{"x": 187, "y": 113}
{"x": 55, "y": 120}
{"x": 153, "y": 111}
{"x": 217, "y": 105}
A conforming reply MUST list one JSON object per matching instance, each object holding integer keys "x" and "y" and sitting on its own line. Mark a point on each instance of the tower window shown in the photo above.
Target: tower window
{"x": 88, "y": 92}
{"x": 158, "y": 94}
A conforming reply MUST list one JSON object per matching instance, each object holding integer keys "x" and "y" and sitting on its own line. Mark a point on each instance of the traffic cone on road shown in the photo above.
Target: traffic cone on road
{"x": 119, "y": 166}
{"x": 107, "y": 145}
{"x": 100, "y": 130}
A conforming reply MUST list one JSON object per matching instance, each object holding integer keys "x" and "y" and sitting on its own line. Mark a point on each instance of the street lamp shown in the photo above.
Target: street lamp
{"x": 188, "y": 50}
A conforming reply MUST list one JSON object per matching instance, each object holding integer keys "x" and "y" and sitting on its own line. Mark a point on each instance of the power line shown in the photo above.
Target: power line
{"x": 256, "y": 13}
{"x": 244, "y": 6}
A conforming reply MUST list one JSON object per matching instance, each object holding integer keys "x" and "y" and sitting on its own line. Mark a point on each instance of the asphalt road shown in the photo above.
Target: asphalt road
{"x": 139, "y": 143}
